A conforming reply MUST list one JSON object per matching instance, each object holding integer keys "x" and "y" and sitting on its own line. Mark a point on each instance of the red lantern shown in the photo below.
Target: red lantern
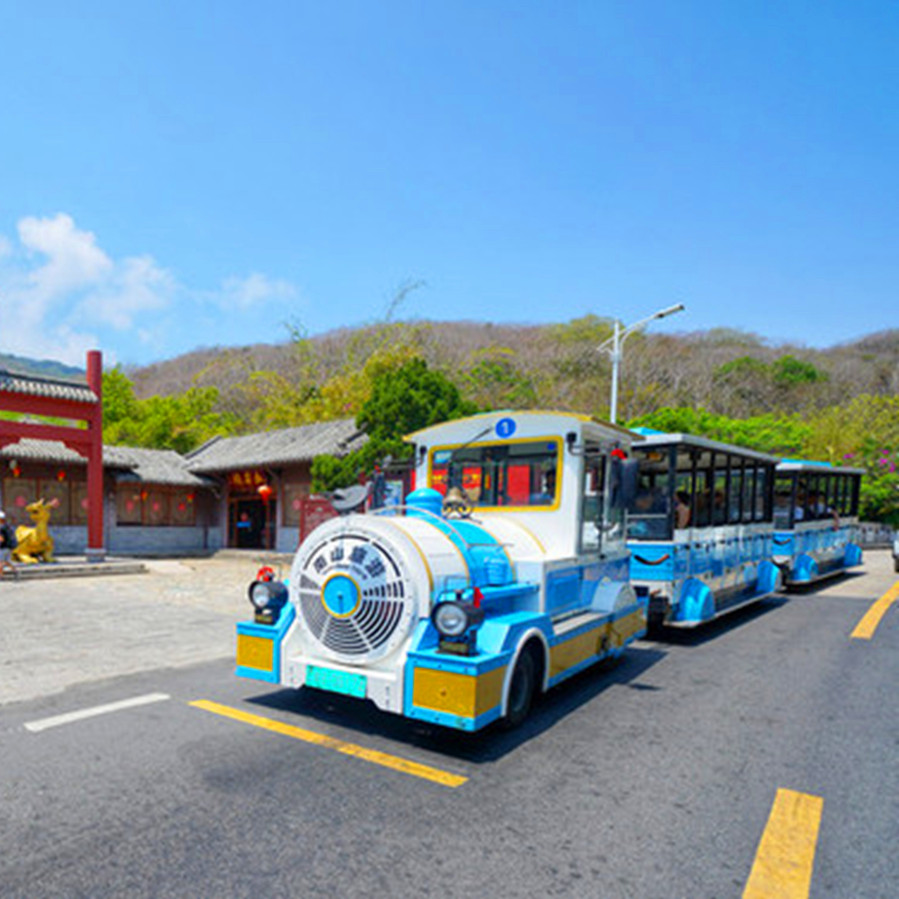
{"x": 60, "y": 475}
{"x": 265, "y": 492}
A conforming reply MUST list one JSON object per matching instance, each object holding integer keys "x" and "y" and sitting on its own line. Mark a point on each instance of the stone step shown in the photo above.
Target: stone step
{"x": 42, "y": 570}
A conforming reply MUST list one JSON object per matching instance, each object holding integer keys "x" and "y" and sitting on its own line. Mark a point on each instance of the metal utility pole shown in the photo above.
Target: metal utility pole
{"x": 615, "y": 345}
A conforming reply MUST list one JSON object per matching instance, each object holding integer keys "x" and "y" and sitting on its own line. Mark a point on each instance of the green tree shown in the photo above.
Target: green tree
{"x": 863, "y": 433}
{"x": 403, "y": 399}
{"x": 788, "y": 371}
{"x": 180, "y": 422}
{"x": 494, "y": 381}
{"x": 779, "y": 435}
{"x": 121, "y": 407}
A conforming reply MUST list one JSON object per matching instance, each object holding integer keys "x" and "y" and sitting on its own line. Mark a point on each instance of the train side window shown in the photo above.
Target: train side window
{"x": 614, "y": 511}
{"x": 814, "y": 507}
{"x": 684, "y": 506}
{"x": 845, "y": 495}
{"x": 784, "y": 489}
{"x": 800, "y": 505}
{"x": 832, "y": 495}
{"x": 749, "y": 474}
{"x": 649, "y": 514}
{"x": 719, "y": 490}
{"x": 602, "y": 510}
{"x": 735, "y": 499}
{"x": 765, "y": 493}
{"x": 591, "y": 504}
{"x": 703, "y": 489}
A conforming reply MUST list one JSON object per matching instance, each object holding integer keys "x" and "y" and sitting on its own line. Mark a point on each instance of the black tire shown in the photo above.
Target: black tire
{"x": 895, "y": 564}
{"x": 655, "y": 625}
{"x": 521, "y": 690}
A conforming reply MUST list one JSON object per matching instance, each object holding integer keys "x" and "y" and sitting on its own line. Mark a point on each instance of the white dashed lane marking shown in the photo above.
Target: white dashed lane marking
{"x": 81, "y": 714}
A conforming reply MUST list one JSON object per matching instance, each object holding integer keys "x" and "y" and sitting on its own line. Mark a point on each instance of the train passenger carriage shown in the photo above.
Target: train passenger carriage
{"x": 700, "y": 527}
{"x": 504, "y": 573}
{"x": 816, "y": 520}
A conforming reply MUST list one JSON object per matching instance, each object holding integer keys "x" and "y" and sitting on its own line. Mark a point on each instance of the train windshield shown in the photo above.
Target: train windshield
{"x": 500, "y": 474}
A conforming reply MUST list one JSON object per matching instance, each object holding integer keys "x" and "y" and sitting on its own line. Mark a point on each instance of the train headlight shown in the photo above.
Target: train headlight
{"x": 268, "y": 598}
{"x": 454, "y": 619}
{"x": 450, "y": 619}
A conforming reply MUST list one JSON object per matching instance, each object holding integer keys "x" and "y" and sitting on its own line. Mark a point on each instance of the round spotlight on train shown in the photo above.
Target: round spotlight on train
{"x": 268, "y": 598}
{"x": 454, "y": 619}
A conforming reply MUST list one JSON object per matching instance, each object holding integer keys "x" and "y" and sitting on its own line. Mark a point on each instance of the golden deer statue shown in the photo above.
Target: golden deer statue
{"x": 35, "y": 544}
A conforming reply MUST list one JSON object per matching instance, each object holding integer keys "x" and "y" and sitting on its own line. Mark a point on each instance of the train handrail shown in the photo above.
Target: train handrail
{"x": 445, "y": 521}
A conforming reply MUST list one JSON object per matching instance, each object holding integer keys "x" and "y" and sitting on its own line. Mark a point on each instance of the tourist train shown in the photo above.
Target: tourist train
{"x": 815, "y": 520}
{"x": 535, "y": 545}
{"x": 701, "y": 528}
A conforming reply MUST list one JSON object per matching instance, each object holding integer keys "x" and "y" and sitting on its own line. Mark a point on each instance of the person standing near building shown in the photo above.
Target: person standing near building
{"x": 7, "y": 544}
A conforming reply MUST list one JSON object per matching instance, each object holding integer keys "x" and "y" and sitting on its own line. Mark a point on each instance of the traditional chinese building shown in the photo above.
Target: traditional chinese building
{"x": 266, "y": 498}
{"x": 151, "y": 502}
{"x": 251, "y": 492}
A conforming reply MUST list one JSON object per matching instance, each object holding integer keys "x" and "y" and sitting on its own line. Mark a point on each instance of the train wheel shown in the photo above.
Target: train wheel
{"x": 521, "y": 690}
{"x": 655, "y": 625}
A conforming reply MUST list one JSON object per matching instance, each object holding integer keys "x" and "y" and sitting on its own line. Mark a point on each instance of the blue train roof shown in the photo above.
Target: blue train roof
{"x": 814, "y": 466}
{"x": 653, "y": 438}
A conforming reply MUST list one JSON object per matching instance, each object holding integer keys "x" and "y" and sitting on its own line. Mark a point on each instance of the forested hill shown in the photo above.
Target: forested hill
{"x": 552, "y": 366}
{"x": 39, "y": 368}
{"x": 839, "y": 405}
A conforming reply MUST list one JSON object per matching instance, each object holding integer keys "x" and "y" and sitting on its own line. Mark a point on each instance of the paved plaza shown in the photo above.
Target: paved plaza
{"x": 57, "y": 632}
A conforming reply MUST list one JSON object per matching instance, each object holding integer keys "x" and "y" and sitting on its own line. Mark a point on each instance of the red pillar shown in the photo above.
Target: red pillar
{"x": 95, "y": 549}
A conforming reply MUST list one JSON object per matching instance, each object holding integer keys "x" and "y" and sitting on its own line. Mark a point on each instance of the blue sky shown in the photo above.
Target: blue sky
{"x": 175, "y": 175}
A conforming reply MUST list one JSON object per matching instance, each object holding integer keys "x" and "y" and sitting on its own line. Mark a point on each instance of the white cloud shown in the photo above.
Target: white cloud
{"x": 73, "y": 258}
{"x": 59, "y": 290}
{"x": 254, "y": 290}
{"x": 136, "y": 286}
{"x": 61, "y": 294}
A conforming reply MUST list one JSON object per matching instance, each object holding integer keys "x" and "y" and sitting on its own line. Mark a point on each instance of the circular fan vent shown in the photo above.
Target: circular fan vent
{"x": 353, "y": 596}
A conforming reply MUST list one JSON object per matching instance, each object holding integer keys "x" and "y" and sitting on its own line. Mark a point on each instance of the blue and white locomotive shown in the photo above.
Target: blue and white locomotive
{"x": 503, "y": 574}
{"x": 700, "y": 527}
{"x": 816, "y": 520}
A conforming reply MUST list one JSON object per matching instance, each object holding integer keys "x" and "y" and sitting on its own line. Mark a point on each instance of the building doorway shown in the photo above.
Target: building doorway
{"x": 251, "y": 523}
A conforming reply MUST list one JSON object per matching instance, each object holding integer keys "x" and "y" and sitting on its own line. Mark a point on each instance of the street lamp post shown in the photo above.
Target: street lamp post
{"x": 615, "y": 344}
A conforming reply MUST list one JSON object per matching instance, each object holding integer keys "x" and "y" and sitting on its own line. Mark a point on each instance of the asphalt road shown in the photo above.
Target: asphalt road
{"x": 654, "y": 778}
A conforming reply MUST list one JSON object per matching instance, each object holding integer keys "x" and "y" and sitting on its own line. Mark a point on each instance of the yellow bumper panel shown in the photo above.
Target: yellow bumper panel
{"x": 255, "y": 652}
{"x": 457, "y": 694}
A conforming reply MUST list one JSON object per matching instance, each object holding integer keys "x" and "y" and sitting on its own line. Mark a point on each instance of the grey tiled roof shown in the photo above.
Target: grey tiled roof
{"x": 51, "y": 451}
{"x": 152, "y": 466}
{"x": 130, "y": 463}
{"x": 283, "y": 447}
{"x": 46, "y": 387}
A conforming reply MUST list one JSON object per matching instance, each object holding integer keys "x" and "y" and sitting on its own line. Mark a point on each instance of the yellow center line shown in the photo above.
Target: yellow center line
{"x": 360, "y": 752}
{"x": 864, "y": 630}
{"x": 786, "y": 853}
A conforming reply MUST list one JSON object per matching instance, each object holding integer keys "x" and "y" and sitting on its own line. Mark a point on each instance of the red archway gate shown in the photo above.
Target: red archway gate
{"x": 73, "y": 402}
